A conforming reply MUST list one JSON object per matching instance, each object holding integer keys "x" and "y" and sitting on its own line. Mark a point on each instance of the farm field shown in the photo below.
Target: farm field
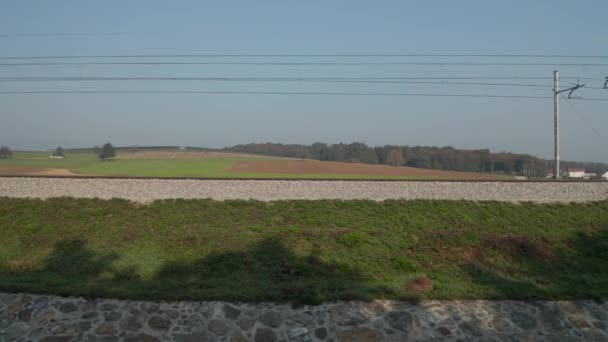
{"x": 304, "y": 251}
{"x": 212, "y": 165}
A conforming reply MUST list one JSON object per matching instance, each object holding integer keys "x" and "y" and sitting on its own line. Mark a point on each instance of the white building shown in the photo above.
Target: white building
{"x": 605, "y": 176}
{"x": 573, "y": 173}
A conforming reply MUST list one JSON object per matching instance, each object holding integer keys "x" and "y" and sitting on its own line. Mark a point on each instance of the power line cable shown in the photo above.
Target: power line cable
{"x": 84, "y": 34}
{"x": 312, "y": 55}
{"x": 284, "y": 93}
{"x": 584, "y": 119}
{"x": 443, "y": 78}
{"x": 314, "y": 63}
{"x": 260, "y": 79}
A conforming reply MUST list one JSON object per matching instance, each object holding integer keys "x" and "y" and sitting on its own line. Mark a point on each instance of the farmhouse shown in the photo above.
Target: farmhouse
{"x": 573, "y": 173}
{"x": 605, "y": 176}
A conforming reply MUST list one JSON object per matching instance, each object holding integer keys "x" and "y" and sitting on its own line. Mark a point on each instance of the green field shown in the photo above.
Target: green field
{"x": 73, "y": 161}
{"x": 88, "y": 164}
{"x": 303, "y": 251}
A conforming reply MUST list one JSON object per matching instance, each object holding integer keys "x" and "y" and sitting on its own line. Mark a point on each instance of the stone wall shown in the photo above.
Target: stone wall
{"x": 25, "y": 317}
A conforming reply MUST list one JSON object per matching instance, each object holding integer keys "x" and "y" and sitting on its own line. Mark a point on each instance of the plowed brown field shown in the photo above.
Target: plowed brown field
{"x": 337, "y": 168}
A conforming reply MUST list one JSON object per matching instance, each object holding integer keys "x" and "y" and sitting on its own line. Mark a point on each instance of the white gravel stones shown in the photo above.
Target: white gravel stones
{"x": 146, "y": 190}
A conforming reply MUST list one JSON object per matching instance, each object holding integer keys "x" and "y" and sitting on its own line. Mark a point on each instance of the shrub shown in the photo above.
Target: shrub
{"x": 405, "y": 264}
{"x": 352, "y": 239}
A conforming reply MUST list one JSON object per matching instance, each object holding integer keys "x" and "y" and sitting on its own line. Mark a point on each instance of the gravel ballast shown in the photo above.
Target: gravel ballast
{"x": 146, "y": 190}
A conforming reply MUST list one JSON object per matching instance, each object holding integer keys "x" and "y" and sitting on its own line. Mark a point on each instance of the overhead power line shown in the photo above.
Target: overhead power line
{"x": 584, "y": 119}
{"x": 311, "y": 55}
{"x": 432, "y": 78}
{"x": 261, "y": 79}
{"x": 284, "y": 93}
{"x": 84, "y": 34}
{"x": 274, "y": 63}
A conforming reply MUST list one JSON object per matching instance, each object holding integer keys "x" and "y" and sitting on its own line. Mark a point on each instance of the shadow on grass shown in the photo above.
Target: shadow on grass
{"x": 268, "y": 271}
{"x": 578, "y": 269}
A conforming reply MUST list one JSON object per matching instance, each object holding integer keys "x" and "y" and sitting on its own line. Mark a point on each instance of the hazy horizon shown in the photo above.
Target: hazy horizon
{"x": 51, "y": 149}
{"x": 294, "y": 112}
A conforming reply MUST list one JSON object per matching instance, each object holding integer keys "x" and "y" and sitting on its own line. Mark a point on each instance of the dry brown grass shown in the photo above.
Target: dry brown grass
{"x": 419, "y": 285}
{"x": 22, "y": 265}
{"x": 10, "y": 170}
{"x": 338, "y": 233}
{"x": 129, "y": 235}
{"x": 517, "y": 246}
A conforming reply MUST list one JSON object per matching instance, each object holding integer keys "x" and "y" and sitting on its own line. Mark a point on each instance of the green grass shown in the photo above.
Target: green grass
{"x": 73, "y": 161}
{"x": 160, "y": 168}
{"x": 303, "y": 251}
{"x": 88, "y": 163}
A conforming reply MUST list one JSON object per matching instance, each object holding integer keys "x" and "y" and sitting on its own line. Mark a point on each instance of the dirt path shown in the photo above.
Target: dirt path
{"x": 8, "y": 170}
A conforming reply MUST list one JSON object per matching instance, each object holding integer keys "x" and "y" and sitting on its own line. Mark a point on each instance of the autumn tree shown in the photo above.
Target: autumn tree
{"x": 395, "y": 157}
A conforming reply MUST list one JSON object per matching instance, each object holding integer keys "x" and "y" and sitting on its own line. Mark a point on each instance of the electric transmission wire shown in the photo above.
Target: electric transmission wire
{"x": 311, "y": 55}
{"x": 19, "y": 92}
{"x": 261, "y": 79}
{"x": 437, "y": 78}
{"x": 84, "y": 34}
{"x": 584, "y": 119}
{"x": 274, "y": 63}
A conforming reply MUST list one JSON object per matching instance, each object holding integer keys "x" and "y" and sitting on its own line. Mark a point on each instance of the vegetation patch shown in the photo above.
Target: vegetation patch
{"x": 419, "y": 285}
{"x": 304, "y": 251}
{"x": 519, "y": 246}
{"x": 352, "y": 239}
{"x": 109, "y": 162}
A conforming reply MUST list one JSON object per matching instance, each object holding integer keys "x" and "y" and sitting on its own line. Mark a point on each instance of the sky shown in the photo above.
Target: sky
{"x": 133, "y": 27}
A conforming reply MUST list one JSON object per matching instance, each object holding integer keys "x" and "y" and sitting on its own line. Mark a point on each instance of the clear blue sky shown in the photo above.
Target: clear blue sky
{"x": 305, "y": 27}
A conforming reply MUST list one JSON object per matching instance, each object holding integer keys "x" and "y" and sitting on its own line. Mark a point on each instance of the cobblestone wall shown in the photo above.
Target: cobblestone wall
{"x": 49, "y": 318}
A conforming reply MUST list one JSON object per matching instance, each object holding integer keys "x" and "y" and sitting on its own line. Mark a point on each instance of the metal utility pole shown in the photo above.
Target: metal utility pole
{"x": 556, "y": 124}
{"x": 556, "y": 93}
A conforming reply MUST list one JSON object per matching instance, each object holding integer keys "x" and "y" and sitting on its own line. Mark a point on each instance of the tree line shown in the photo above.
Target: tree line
{"x": 428, "y": 157}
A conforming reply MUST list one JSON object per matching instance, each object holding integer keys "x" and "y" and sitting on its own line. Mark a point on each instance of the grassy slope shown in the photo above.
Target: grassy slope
{"x": 307, "y": 251}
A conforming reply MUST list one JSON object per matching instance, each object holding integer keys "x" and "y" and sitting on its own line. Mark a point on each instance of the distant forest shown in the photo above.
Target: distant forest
{"x": 428, "y": 157}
